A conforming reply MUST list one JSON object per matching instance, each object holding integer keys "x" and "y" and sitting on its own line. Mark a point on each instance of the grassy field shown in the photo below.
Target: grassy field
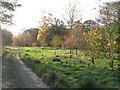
{"x": 75, "y": 72}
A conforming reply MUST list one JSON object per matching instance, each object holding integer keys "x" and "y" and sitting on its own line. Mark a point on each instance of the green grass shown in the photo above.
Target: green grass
{"x": 69, "y": 72}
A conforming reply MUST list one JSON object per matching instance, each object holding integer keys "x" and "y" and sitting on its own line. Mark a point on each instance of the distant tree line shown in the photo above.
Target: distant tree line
{"x": 27, "y": 38}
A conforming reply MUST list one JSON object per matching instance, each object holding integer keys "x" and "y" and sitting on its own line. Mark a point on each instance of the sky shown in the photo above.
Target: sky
{"x": 29, "y": 14}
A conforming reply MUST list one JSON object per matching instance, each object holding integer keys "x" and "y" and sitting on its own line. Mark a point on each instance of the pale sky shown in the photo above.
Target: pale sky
{"x": 29, "y": 14}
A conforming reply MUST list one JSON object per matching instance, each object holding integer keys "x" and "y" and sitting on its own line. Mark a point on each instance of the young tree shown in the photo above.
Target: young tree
{"x": 67, "y": 40}
{"x": 78, "y": 37}
{"x": 109, "y": 18}
{"x": 45, "y": 23}
{"x": 71, "y": 14}
{"x": 56, "y": 42}
{"x": 92, "y": 39}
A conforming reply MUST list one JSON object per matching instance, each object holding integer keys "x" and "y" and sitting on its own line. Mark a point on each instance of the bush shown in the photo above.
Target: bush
{"x": 34, "y": 44}
{"x": 52, "y": 78}
{"x": 41, "y": 71}
{"x": 89, "y": 82}
{"x": 62, "y": 83}
{"x": 56, "y": 81}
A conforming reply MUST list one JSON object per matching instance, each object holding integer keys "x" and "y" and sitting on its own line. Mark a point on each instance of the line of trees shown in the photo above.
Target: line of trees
{"x": 27, "y": 38}
{"x": 93, "y": 37}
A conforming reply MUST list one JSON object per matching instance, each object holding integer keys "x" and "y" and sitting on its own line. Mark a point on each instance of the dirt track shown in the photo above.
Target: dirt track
{"x": 15, "y": 74}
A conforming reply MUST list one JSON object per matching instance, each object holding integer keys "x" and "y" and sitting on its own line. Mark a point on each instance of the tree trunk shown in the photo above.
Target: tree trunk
{"x": 70, "y": 53}
{"x": 92, "y": 57}
{"x": 76, "y": 52}
{"x": 111, "y": 53}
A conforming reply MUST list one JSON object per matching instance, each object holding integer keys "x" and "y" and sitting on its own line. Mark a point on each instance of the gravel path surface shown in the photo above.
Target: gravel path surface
{"x": 10, "y": 75}
{"x": 17, "y": 75}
